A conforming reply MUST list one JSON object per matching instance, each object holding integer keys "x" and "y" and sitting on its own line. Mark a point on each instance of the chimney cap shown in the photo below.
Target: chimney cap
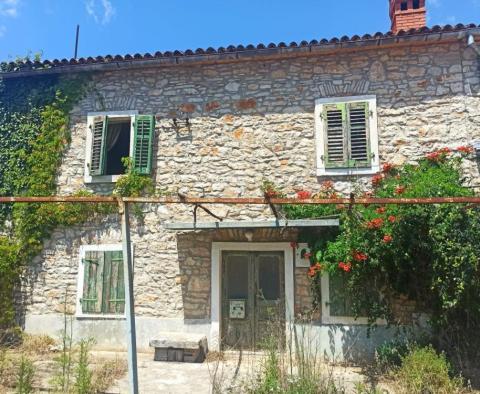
{"x": 407, "y": 14}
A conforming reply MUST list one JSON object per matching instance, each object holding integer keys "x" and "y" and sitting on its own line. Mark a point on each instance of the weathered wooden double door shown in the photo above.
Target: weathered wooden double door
{"x": 253, "y": 299}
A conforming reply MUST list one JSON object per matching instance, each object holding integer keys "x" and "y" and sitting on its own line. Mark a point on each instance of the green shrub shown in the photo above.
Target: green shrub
{"x": 83, "y": 378}
{"x": 24, "y": 382}
{"x": 390, "y": 354}
{"x": 424, "y": 371}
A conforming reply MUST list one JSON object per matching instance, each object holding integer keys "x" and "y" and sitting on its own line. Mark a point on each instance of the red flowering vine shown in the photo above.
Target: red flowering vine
{"x": 304, "y": 194}
{"x": 392, "y": 219}
{"x": 314, "y": 269}
{"x": 375, "y": 223}
{"x": 467, "y": 149}
{"x": 294, "y": 245}
{"x": 347, "y": 267}
{"x": 400, "y": 189}
{"x": 377, "y": 179}
{"x": 359, "y": 256}
{"x": 387, "y": 167}
{"x": 380, "y": 210}
{"x": 387, "y": 239}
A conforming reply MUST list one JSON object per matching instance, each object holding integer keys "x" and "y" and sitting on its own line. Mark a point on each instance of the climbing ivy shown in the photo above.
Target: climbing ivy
{"x": 34, "y": 133}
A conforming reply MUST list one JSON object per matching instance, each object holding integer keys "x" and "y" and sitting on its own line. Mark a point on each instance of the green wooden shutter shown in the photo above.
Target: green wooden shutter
{"x": 143, "y": 143}
{"x": 113, "y": 283}
{"x": 335, "y": 137}
{"x": 99, "y": 133}
{"x": 358, "y": 134}
{"x": 92, "y": 282}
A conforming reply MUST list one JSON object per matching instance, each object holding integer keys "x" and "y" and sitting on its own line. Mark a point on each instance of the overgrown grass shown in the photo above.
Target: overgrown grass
{"x": 75, "y": 368}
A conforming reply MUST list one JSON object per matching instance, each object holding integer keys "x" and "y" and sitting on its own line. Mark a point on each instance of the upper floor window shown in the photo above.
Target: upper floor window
{"x": 346, "y": 135}
{"x": 111, "y": 137}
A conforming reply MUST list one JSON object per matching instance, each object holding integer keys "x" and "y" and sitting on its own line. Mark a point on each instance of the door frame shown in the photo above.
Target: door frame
{"x": 216, "y": 281}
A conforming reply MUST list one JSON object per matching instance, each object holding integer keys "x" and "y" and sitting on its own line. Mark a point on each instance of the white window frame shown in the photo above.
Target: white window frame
{"x": 88, "y": 145}
{"x": 320, "y": 136}
{"x": 81, "y": 277}
{"x": 342, "y": 320}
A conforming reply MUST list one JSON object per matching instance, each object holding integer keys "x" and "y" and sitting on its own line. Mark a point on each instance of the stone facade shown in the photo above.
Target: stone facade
{"x": 248, "y": 121}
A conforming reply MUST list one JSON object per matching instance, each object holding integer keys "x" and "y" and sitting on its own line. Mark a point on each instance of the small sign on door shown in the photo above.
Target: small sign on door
{"x": 237, "y": 309}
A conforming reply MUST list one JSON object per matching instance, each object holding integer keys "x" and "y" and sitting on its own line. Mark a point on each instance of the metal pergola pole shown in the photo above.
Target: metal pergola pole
{"x": 129, "y": 298}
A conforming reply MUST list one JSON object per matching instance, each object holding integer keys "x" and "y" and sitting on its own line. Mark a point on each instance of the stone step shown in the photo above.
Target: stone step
{"x": 180, "y": 347}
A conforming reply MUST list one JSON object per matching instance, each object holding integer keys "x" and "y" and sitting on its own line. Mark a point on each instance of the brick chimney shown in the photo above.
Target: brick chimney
{"x": 407, "y": 14}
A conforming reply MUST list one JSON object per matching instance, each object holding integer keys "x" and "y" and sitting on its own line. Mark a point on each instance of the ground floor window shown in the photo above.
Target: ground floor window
{"x": 336, "y": 304}
{"x": 101, "y": 281}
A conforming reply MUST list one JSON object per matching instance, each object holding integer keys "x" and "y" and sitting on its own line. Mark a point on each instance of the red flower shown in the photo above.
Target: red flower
{"x": 392, "y": 219}
{"x": 307, "y": 255}
{"x": 359, "y": 256}
{"x": 304, "y": 194}
{"x": 400, "y": 189}
{"x": 312, "y": 272}
{"x": 347, "y": 267}
{"x": 294, "y": 245}
{"x": 381, "y": 210}
{"x": 368, "y": 194}
{"x": 375, "y": 223}
{"x": 434, "y": 156}
{"x": 314, "y": 269}
{"x": 467, "y": 149}
{"x": 387, "y": 167}
{"x": 439, "y": 155}
{"x": 387, "y": 239}
{"x": 377, "y": 179}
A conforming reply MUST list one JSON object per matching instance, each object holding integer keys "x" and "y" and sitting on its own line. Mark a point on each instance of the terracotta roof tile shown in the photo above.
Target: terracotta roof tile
{"x": 13, "y": 67}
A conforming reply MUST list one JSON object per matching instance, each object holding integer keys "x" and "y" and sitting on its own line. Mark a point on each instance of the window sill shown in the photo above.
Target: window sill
{"x": 102, "y": 178}
{"x": 99, "y": 317}
{"x": 348, "y": 171}
{"x": 350, "y": 321}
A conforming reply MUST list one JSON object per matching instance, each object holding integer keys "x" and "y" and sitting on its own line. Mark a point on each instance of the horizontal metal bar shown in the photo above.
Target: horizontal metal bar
{"x": 240, "y": 200}
{"x": 252, "y": 224}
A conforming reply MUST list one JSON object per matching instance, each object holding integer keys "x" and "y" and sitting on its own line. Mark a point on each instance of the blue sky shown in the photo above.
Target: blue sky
{"x": 131, "y": 26}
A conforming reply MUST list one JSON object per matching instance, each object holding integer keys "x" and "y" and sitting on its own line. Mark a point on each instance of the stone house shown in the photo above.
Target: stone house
{"x": 215, "y": 123}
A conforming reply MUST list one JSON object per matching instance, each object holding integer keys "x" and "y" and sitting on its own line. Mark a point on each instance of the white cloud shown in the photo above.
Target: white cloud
{"x": 9, "y": 7}
{"x": 3, "y": 30}
{"x": 101, "y": 11}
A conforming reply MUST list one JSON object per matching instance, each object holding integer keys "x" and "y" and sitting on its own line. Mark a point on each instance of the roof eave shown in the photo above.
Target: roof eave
{"x": 255, "y": 54}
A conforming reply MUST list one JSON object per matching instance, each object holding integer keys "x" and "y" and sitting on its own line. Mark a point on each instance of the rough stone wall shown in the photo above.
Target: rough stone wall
{"x": 303, "y": 296}
{"x": 249, "y": 121}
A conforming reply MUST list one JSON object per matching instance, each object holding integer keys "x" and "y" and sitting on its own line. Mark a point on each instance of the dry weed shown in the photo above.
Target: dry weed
{"x": 37, "y": 344}
{"x": 106, "y": 372}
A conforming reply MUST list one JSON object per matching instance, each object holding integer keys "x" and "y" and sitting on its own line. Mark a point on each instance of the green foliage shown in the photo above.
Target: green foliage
{"x": 390, "y": 355}
{"x": 428, "y": 252}
{"x": 423, "y": 370}
{"x": 133, "y": 184}
{"x": 83, "y": 374}
{"x": 26, "y": 372}
{"x": 61, "y": 380}
{"x": 33, "y": 136}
